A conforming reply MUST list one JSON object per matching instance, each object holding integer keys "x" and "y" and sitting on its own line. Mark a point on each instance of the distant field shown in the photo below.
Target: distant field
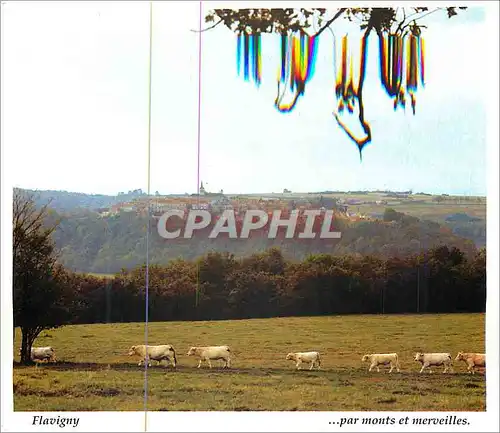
{"x": 94, "y": 372}
{"x": 431, "y": 211}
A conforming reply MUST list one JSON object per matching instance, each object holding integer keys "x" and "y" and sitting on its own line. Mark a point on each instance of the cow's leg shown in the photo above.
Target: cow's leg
{"x": 209, "y": 363}
{"x": 392, "y": 368}
{"x": 378, "y": 369}
{"x": 228, "y": 363}
{"x": 422, "y": 369}
{"x": 298, "y": 365}
{"x": 199, "y": 363}
{"x": 371, "y": 367}
{"x": 312, "y": 365}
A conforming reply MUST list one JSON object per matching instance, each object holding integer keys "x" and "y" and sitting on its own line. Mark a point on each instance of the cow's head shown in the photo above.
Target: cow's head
{"x": 191, "y": 351}
{"x": 460, "y": 356}
{"x": 131, "y": 351}
{"x": 290, "y": 356}
{"x": 419, "y": 356}
{"x": 365, "y": 358}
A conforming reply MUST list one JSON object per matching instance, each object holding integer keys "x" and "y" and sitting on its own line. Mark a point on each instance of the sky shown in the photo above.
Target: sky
{"x": 75, "y": 107}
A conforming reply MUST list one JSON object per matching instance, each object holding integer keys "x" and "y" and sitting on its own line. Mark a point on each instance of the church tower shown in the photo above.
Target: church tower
{"x": 202, "y": 189}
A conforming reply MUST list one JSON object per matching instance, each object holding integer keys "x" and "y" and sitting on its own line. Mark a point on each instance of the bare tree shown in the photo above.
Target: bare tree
{"x": 41, "y": 300}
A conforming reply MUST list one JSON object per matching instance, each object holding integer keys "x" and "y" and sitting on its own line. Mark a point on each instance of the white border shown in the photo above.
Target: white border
{"x": 272, "y": 421}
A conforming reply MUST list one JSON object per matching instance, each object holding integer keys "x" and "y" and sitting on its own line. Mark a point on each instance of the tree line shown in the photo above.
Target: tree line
{"x": 220, "y": 286}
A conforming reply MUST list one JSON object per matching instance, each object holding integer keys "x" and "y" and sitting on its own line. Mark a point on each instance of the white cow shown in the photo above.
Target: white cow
{"x": 377, "y": 359}
{"x": 208, "y": 353}
{"x": 300, "y": 357}
{"x": 155, "y": 353}
{"x": 437, "y": 359}
{"x": 472, "y": 360}
{"x": 42, "y": 354}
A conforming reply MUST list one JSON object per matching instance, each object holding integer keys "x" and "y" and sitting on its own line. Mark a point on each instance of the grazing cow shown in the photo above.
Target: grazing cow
{"x": 41, "y": 354}
{"x": 155, "y": 353}
{"x": 377, "y": 359}
{"x": 472, "y": 360}
{"x": 437, "y": 359}
{"x": 300, "y": 357}
{"x": 211, "y": 353}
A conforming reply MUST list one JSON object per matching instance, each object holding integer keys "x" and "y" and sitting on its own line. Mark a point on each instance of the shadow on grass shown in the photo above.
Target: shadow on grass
{"x": 345, "y": 373}
{"x": 182, "y": 369}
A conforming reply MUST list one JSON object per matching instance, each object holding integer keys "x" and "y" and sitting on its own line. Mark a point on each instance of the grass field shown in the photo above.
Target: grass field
{"x": 93, "y": 371}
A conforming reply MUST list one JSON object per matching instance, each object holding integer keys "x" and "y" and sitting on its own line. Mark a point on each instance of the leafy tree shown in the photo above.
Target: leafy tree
{"x": 285, "y": 20}
{"x": 40, "y": 297}
{"x": 393, "y": 26}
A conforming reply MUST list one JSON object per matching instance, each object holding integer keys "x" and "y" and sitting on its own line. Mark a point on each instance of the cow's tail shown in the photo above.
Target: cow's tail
{"x": 319, "y": 360}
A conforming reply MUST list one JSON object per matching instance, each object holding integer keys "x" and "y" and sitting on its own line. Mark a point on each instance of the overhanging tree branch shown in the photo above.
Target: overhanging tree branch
{"x": 208, "y": 28}
{"x": 330, "y": 22}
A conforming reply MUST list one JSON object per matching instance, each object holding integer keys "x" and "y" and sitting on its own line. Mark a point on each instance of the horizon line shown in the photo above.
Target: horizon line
{"x": 291, "y": 193}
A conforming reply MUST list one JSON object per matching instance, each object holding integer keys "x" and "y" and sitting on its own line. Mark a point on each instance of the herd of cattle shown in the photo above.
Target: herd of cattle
{"x": 212, "y": 353}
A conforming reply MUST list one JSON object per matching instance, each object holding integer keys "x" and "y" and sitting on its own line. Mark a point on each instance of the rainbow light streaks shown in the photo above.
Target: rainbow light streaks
{"x": 393, "y": 63}
{"x": 399, "y": 74}
{"x": 252, "y": 58}
{"x": 345, "y": 91}
{"x": 348, "y": 93}
{"x": 298, "y": 59}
